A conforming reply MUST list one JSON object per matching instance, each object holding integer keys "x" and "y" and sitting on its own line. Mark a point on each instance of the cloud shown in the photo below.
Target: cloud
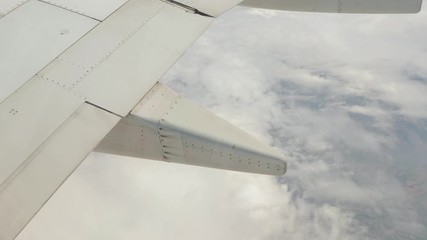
{"x": 155, "y": 200}
{"x": 334, "y": 90}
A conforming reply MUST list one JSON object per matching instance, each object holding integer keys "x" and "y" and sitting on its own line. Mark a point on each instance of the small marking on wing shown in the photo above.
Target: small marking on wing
{"x": 13, "y": 111}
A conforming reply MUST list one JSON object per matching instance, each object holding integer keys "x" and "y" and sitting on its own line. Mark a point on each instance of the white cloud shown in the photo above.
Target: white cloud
{"x": 131, "y": 199}
{"x": 334, "y": 88}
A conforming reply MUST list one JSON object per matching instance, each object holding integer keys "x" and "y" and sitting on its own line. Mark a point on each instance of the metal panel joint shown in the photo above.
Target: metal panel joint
{"x": 186, "y": 8}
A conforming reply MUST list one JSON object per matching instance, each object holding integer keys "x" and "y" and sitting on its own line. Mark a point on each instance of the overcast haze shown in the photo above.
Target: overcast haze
{"x": 343, "y": 97}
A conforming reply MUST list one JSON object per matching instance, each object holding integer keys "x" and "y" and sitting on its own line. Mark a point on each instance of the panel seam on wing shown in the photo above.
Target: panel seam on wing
{"x": 69, "y": 9}
{"x": 120, "y": 43}
{"x": 162, "y": 131}
{"x": 59, "y": 85}
{"x": 34, "y": 153}
{"x": 12, "y": 8}
{"x": 85, "y": 71}
{"x": 186, "y": 8}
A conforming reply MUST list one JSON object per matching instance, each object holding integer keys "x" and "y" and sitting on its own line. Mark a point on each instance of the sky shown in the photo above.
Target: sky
{"x": 342, "y": 97}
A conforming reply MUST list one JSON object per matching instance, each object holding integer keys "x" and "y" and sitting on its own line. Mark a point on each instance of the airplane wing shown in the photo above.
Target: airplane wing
{"x": 339, "y": 6}
{"x": 79, "y": 75}
{"x": 72, "y": 71}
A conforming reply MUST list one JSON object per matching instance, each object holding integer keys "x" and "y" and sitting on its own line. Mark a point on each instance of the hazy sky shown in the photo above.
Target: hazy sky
{"x": 343, "y": 97}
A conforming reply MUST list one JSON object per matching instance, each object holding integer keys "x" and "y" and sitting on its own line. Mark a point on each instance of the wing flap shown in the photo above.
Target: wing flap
{"x": 167, "y": 127}
{"x": 123, "y": 57}
{"x": 130, "y": 72}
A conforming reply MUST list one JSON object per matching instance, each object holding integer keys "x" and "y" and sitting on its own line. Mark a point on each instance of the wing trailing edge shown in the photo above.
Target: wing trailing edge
{"x": 167, "y": 127}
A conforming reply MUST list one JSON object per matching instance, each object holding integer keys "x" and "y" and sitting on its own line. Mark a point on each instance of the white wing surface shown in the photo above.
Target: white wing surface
{"x": 70, "y": 70}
